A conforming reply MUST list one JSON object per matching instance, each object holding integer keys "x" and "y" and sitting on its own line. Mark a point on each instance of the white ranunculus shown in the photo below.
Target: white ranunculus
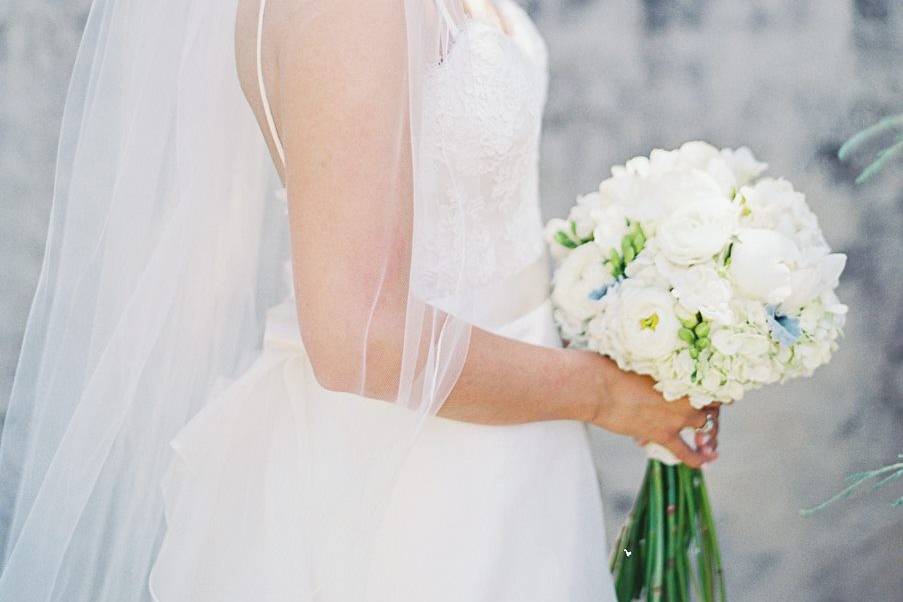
{"x": 761, "y": 264}
{"x": 647, "y": 323}
{"x": 575, "y": 279}
{"x": 696, "y": 232}
{"x": 611, "y": 226}
{"x": 702, "y": 289}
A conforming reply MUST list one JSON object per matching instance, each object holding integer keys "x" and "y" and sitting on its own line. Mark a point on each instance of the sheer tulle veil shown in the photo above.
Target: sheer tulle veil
{"x": 166, "y": 247}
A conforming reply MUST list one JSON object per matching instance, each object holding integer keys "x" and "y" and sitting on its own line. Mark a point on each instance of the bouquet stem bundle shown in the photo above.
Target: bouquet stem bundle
{"x": 668, "y": 546}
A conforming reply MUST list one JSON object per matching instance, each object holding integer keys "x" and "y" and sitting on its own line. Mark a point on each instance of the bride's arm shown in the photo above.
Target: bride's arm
{"x": 343, "y": 92}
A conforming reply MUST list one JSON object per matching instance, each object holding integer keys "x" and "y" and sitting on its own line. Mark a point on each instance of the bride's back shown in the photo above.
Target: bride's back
{"x": 246, "y": 38}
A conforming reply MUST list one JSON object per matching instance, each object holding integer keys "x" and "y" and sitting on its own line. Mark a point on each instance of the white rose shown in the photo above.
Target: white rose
{"x": 761, "y": 264}
{"x": 575, "y": 280}
{"x": 701, "y": 289}
{"x": 646, "y": 320}
{"x": 611, "y": 226}
{"x": 694, "y": 233}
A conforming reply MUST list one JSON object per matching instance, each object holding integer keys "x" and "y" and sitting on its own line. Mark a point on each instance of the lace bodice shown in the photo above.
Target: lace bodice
{"x": 481, "y": 127}
{"x": 477, "y": 211}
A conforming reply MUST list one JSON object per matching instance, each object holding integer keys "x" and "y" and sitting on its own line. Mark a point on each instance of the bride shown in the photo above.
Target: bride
{"x": 405, "y": 423}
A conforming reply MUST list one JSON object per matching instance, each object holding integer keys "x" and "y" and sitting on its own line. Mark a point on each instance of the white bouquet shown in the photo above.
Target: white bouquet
{"x": 688, "y": 267}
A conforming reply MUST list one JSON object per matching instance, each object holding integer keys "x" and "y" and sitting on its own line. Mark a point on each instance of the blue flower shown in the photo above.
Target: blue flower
{"x": 598, "y": 293}
{"x": 785, "y": 329}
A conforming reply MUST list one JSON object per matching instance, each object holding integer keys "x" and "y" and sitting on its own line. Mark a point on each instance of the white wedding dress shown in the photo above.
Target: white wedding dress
{"x": 479, "y": 513}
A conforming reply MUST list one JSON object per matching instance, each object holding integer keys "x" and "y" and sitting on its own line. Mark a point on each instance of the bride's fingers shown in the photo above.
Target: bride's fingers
{"x": 684, "y": 453}
{"x": 707, "y": 445}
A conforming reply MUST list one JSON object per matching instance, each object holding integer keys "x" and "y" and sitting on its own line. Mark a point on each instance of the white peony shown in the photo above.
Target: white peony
{"x": 647, "y": 324}
{"x": 810, "y": 281}
{"x": 696, "y": 232}
{"x": 761, "y": 264}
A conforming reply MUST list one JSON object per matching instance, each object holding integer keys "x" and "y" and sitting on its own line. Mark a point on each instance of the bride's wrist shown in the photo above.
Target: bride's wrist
{"x": 590, "y": 372}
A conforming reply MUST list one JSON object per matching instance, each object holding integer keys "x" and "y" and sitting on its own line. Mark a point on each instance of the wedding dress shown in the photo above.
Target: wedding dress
{"x": 478, "y": 513}
{"x": 163, "y": 349}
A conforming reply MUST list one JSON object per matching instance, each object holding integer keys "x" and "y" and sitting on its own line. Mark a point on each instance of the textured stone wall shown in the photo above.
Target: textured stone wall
{"x": 790, "y": 79}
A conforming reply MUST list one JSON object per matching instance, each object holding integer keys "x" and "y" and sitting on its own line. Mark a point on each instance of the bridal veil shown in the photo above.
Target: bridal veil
{"x": 165, "y": 250}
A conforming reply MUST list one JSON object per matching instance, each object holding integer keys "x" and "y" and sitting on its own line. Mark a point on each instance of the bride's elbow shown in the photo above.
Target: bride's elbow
{"x": 335, "y": 369}
{"x": 351, "y": 350}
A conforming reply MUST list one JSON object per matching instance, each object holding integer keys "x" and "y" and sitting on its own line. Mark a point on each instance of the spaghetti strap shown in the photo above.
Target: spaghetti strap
{"x": 262, "y": 85}
{"x": 446, "y": 16}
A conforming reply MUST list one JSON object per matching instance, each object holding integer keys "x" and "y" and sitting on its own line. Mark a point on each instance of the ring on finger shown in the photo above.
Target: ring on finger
{"x": 709, "y": 425}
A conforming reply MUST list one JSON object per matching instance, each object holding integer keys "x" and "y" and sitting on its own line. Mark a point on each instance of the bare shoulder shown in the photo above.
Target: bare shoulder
{"x": 292, "y": 24}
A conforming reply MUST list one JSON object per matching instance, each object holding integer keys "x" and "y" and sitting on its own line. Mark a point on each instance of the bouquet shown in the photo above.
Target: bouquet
{"x": 689, "y": 267}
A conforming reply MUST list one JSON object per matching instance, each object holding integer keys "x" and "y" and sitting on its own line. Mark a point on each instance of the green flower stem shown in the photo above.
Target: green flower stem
{"x": 657, "y": 552}
{"x": 671, "y": 513}
{"x": 714, "y": 555}
{"x": 686, "y": 483}
{"x": 671, "y": 582}
{"x": 683, "y": 541}
{"x": 626, "y": 569}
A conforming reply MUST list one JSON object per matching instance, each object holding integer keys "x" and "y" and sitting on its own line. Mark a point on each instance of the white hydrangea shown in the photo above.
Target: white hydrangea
{"x": 687, "y": 266}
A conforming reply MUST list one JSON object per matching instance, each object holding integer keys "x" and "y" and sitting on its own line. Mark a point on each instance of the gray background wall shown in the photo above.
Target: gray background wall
{"x": 790, "y": 79}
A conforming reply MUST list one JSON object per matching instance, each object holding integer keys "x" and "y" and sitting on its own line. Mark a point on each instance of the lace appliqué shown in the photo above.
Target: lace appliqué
{"x": 480, "y": 218}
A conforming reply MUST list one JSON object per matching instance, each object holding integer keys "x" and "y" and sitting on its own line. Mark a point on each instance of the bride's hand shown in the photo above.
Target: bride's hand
{"x": 629, "y": 405}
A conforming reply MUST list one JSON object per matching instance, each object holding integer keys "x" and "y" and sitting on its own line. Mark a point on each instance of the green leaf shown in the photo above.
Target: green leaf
{"x": 690, "y": 322}
{"x": 880, "y": 161}
{"x": 685, "y": 334}
{"x": 564, "y": 240}
{"x": 627, "y": 249}
{"x": 869, "y": 133}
